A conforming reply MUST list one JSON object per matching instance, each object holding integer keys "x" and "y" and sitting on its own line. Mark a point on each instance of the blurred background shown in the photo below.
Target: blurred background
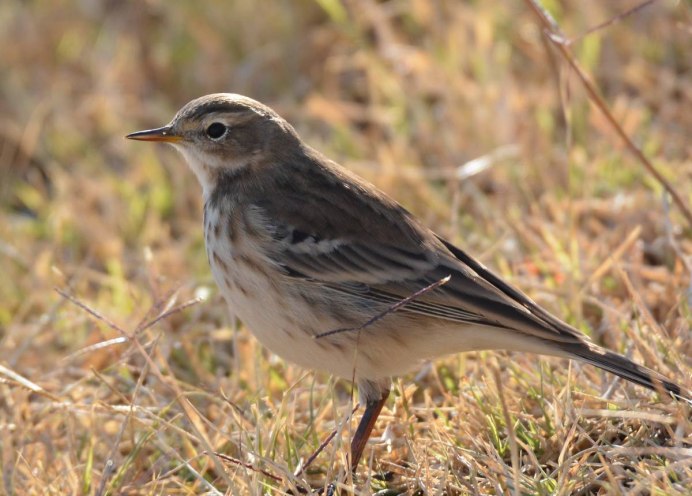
{"x": 461, "y": 111}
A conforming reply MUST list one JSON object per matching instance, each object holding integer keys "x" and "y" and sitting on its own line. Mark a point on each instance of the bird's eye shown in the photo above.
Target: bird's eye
{"x": 216, "y": 130}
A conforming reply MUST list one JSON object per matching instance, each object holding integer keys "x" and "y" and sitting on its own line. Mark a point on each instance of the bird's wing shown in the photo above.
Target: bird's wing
{"x": 363, "y": 243}
{"x": 388, "y": 274}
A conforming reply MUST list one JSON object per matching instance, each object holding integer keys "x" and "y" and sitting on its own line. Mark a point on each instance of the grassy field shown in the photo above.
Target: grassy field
{"x": 113, "y": 384}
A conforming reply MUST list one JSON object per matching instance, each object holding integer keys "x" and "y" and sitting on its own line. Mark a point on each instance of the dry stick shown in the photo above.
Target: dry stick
{"x": 12, "y": 377}
{"x": 169, "y": 312}
{"x": 92, "y": 312}
{"x": 321, "y": 447}
{"x": 555, "y": 35}
{"x": 230, "y": 459}
{"x": 611, "y": 21}
{"x": 391, "y": 309}
{"x": 94, "y": 347}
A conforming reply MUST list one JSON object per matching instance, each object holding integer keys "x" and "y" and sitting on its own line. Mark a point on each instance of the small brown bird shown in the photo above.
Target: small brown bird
{"x": 300, "y": 246}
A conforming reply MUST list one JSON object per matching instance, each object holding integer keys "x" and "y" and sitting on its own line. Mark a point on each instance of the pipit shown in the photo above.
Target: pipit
{"x": 305, "y": 252}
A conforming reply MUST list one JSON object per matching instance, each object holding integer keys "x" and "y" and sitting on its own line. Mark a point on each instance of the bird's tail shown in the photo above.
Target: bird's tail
{"x": 627, "y": 369}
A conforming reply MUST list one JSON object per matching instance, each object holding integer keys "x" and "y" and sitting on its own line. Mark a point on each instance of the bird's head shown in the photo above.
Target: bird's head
{"x": 223, "y": 132}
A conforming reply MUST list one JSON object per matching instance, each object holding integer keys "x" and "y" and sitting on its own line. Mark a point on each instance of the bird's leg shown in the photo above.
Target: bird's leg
{"x": 367, "y": 422}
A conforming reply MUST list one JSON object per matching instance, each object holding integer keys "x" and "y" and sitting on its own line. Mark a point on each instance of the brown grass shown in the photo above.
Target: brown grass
{"x": 101, "y": 396}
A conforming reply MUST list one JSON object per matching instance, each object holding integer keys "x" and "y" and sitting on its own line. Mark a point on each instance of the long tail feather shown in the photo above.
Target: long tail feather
{"x": 627, "y": 369}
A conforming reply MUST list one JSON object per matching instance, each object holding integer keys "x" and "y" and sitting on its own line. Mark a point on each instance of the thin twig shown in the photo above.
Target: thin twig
{"x": 235, "y": 461}
{"x": 611, "y": 21}
{"x": 94, "y": 347}
{"x": 320, "y": 448}
{"x": 558, "y": 39}
{"x": 12, "y": 377}
{"x": 93, "y": 312}
{"x": 393, "y": 308}
{"x": 170, "y": 312}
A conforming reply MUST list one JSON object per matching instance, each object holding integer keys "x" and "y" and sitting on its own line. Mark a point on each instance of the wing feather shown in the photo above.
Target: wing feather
{"x": 387, "y": 274}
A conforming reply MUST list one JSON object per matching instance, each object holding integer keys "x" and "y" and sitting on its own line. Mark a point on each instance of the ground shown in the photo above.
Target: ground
{"x": 464, "y": 112}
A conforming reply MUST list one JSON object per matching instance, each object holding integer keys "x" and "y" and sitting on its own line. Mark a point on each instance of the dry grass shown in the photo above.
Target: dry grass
{"x": 403, "y": 93}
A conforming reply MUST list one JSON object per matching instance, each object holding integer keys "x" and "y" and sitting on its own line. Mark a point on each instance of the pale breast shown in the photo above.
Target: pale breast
{"x": 285, "y": 313}
{"x": 271, "y": 305}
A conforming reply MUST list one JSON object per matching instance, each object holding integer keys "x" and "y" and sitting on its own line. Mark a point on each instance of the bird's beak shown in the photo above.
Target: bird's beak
{"x": 160, "y": 134}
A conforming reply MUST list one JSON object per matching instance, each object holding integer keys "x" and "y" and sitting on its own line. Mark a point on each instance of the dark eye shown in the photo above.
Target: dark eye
{"x": 216, "y": 130}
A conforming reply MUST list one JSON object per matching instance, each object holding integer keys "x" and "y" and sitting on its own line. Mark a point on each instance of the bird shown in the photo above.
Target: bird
{"x": 332, "y": 274}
